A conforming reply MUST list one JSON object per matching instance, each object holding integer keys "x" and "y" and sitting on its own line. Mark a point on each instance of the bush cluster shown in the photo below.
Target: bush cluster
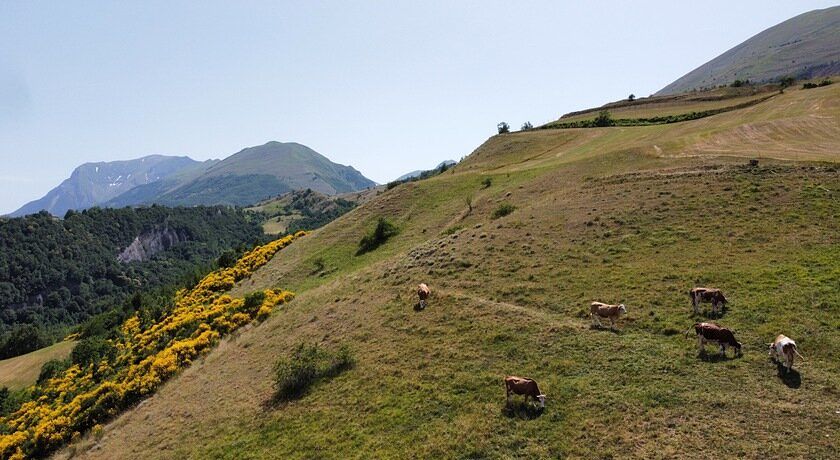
{"x": 503, "y": 210}
{"x": 810, "y": 85}
{"x": 307, "y": 365}
{"x": 380, "y": 234}
{"x": 106, "y": 376}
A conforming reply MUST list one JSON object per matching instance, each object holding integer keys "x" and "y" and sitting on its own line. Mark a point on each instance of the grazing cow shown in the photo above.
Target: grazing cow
{"x": 784, "y": 346}
{"x": 523, "y": 386}
{"x": 423, "y": 293}
{"x": 707, "y": 295}
{"x": 712, "y": 333}
{"x": 598, "y": 310}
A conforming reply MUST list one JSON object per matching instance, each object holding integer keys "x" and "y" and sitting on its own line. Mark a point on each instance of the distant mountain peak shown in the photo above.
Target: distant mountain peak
{"x": 95, "y": 183}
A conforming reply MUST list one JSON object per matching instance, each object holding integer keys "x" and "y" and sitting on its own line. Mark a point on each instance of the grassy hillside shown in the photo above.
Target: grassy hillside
{"x": 805, "y": 46}
{"x": 22, "y": 371}
{"x": 637, "y": 215}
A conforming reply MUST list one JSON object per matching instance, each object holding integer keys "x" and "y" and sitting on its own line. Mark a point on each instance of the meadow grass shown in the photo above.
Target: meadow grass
{"x": 601, "y": 216}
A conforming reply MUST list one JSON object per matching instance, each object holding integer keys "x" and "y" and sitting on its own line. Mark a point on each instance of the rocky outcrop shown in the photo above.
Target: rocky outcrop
{"x": 150, "y": 243}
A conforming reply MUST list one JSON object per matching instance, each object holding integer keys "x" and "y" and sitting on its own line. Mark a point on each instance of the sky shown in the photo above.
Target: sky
{"x": 387, "y": 86}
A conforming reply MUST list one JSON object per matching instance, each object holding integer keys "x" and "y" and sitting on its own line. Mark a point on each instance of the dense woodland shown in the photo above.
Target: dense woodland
{"x": 57, "y": 273}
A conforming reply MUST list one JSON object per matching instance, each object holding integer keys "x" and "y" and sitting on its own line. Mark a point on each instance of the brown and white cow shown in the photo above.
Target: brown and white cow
{"x": 598, "y": 310}
{"x": 712, "y": 333}
{"x": 707, "y": 295}
{"x": 785, "y": 347}
{"x": 423, "y": 293}
{"x": 524, "y": 386}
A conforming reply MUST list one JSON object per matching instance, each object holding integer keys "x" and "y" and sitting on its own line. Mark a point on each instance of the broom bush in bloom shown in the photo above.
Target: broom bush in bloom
{"x": 80, "y": 398}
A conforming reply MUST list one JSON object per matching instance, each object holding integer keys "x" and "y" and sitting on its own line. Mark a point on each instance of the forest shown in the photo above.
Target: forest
{"x": 59, "y": 273}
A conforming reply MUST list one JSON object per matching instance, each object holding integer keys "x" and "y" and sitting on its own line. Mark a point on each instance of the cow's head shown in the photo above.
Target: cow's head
{"x": 622, "y": 309}
{"x": 737, "y": 346}
{"x": 542, "y": 400}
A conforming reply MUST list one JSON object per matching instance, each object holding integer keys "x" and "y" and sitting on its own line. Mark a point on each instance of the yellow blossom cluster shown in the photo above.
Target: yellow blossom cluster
{"x": 81, "y": 398}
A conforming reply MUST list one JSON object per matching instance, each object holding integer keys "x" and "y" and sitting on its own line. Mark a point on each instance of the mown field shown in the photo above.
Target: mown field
{"x": 634, "y": 215}
{"x": 672, "y": 105}
{"x": 22, "y": 371}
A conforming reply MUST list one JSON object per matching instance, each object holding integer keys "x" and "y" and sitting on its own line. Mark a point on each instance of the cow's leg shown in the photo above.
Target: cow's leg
{"x": 700, "y": 347}
{"x": 612, "y": 322}
{"x": 723, "y": 349}
{"x": 694, "y": 304}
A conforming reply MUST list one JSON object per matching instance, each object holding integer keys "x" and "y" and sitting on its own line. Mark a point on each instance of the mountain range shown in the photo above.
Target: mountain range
{"x": 803, "y": 47}
{"x": 246, "y": 177}
{"x": 93, "y": 184}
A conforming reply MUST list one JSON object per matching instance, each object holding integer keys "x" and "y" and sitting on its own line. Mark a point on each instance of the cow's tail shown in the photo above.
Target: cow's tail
{"x": 797, "y": 354}
{"x": 688, "y": 330}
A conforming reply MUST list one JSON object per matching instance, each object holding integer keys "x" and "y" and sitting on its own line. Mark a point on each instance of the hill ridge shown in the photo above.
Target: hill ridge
{"x": 805, "y": 46}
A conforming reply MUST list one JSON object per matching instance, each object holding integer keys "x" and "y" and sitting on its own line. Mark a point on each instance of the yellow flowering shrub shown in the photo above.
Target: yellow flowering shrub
{"x": 80, "y": 398}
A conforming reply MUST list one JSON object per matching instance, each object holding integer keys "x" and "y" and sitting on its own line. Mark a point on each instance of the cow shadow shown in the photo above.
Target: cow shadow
{"x": 596, "y": 327}
{"x": 791, "y": 378}
{"x": 522, "y": 410}
{"x": 715, "y": 357}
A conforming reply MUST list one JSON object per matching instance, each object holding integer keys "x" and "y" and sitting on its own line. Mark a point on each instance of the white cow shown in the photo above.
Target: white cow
{"x": 784, "y": 347}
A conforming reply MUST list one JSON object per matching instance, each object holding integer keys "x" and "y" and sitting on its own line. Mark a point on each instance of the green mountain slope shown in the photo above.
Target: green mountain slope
{"x": 93, "y": 184}
{"x": 803, "y": 47}
{"x": 250, "y": 176}
{"x": 636, "y": 215}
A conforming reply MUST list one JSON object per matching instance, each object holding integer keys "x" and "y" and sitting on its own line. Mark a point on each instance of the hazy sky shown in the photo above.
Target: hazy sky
{"x": 385, "y": 86}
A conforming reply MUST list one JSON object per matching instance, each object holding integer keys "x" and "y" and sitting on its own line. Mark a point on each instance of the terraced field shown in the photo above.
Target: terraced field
{"x": 637, "y": 215}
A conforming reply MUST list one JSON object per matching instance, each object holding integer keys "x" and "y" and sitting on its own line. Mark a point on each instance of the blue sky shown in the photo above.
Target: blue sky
{"x": 386, "y": 87}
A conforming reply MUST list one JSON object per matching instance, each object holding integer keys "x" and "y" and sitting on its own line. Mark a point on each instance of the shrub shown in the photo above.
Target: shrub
{"x": 227, "y": 259}
{"x": 52, "y": 368}
{"x": 254, "y": 301}
{"x": 92, "y": 350}
{"x": 503, "y": 128}
{"x": 527, "y": 126}
{"x": 631, "y": 97}
{"x": 604, "y": 119}
{"x": 786, "y": 81}
{"x": 383, "y": 231}
{"x": 452, "y": 230}
{"x": 503, "y": 210}
{"x": 487, "y": 182}
{"x": 306, "y": 366}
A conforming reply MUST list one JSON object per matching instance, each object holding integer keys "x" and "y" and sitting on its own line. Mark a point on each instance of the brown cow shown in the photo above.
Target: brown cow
{"x": 707, "y": 295}
{"x": 523, "y": 386}
{"x": 784, "y": 346}
{"x": 598, "y": 310}
{"x": 423, "y": 293}
{"x": 712, "y": 333}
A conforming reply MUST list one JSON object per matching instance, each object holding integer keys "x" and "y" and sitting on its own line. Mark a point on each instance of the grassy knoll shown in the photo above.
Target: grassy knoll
{"x": 635, "y": 215}
{"x": 22, "y": 371}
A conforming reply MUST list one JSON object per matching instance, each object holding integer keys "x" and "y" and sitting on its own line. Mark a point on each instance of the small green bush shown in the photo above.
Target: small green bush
{"x": 52, "y": 368}
{"x": 503, "y": 210}
{"x": 604, "y": 119}
{"x": 452, "y": 230}
{"x": 487, "y": 182}
{"x": 306, "y": 366}
{"x": 383, "y": 231}
{"x": 254, "y": 300}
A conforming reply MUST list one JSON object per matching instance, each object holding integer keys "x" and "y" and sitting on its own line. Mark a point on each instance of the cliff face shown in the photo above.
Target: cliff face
{"x": 150, "y": 243}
